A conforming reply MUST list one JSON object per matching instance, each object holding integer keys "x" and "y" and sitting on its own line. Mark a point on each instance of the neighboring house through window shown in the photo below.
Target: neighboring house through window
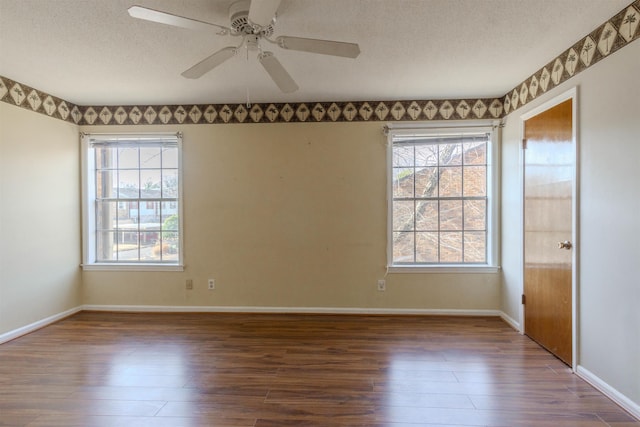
{"x": 441, "y": 210}
{"x": 132, "y": 201}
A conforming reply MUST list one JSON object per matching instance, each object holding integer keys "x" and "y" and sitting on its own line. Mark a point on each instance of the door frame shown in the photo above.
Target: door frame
{"x": 575, "y": 278}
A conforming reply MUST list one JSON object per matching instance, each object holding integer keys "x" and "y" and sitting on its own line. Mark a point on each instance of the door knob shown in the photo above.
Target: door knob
{"x": 565, "y": 245}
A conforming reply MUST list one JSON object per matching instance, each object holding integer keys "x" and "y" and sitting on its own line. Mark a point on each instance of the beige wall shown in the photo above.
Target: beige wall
{"x": 294, "y": 215}
{"x": 39, "y": 217}
{"x": 609, "y": 248}
{"x": 287, "y": 215}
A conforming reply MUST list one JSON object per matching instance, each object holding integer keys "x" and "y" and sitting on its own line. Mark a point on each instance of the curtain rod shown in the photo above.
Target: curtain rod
{"x": 434, "y": 126}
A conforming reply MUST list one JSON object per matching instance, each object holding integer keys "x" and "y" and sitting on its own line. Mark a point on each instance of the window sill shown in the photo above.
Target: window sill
{"x": 439, "y": 269}
{"x": 131, "y": 267}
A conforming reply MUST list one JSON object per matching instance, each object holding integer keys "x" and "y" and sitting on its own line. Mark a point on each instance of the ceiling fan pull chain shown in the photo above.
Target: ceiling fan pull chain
{"x": 248, "y": 101}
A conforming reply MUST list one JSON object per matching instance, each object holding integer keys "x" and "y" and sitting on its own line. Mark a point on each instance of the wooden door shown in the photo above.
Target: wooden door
{"x": 549, "y": 163}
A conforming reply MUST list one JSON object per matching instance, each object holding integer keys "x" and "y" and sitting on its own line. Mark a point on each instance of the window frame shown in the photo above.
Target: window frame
{"x": 393, "y": 130}
{"x": 89, "y": 228}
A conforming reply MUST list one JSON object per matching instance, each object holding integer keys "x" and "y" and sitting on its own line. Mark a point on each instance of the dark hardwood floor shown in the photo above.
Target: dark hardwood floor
{"x": 125, "y": 369}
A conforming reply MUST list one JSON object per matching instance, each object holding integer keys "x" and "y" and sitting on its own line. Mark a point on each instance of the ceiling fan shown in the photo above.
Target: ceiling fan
{"x": 253, "y": 21}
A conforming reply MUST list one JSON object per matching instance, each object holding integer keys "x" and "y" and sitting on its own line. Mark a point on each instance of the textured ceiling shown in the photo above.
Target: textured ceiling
{"x": 91, "y": 52}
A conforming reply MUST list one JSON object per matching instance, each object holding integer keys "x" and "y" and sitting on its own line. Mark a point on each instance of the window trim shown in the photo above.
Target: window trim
{"x": 493, "y": 237}
{"x": 88, "y": 207}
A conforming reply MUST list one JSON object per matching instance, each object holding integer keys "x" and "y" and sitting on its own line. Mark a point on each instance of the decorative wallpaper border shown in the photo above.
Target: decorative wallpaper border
{"x": 609, "y": 37}
{"x": 32, "y": 99}
{"x": 460, "y": 109}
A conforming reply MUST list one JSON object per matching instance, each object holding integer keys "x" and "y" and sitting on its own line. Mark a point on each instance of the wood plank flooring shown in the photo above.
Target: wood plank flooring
{"x": 263, "y": 370}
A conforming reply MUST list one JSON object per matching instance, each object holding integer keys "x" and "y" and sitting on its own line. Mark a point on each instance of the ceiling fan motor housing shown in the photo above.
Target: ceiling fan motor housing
{"x": 239, "y": 18}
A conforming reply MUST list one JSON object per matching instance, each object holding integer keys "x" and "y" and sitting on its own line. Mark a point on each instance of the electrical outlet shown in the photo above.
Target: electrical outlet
{"x": 189, "y": 284}
{"x": 212, "y": 284}
{"x": 382, "y": 285}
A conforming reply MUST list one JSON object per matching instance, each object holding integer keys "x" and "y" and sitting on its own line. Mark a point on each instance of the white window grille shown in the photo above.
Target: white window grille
{"x": 441, "y": 186}
{"x": 132, "y": 201}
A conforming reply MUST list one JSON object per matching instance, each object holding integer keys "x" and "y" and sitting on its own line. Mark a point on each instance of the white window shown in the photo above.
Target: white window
{"x": 132, "y": 201}
{"x": 441, "y": 207}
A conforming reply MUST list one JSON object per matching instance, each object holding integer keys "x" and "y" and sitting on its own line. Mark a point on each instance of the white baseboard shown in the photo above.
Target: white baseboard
{"x": 511, "y": 321}
{"x": 301, "y": 310}
{"x": 24, "y": 330}
{"x": 623, "y": 401}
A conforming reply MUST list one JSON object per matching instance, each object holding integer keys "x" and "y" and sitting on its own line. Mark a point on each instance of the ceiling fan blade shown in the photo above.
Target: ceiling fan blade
{"x": 277, "y": 72}
{"x": 210, "y": 63}
{"x": 325, "y": 47}
{"x": 261, "y": 12}
{"x": 153, "y": 15}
